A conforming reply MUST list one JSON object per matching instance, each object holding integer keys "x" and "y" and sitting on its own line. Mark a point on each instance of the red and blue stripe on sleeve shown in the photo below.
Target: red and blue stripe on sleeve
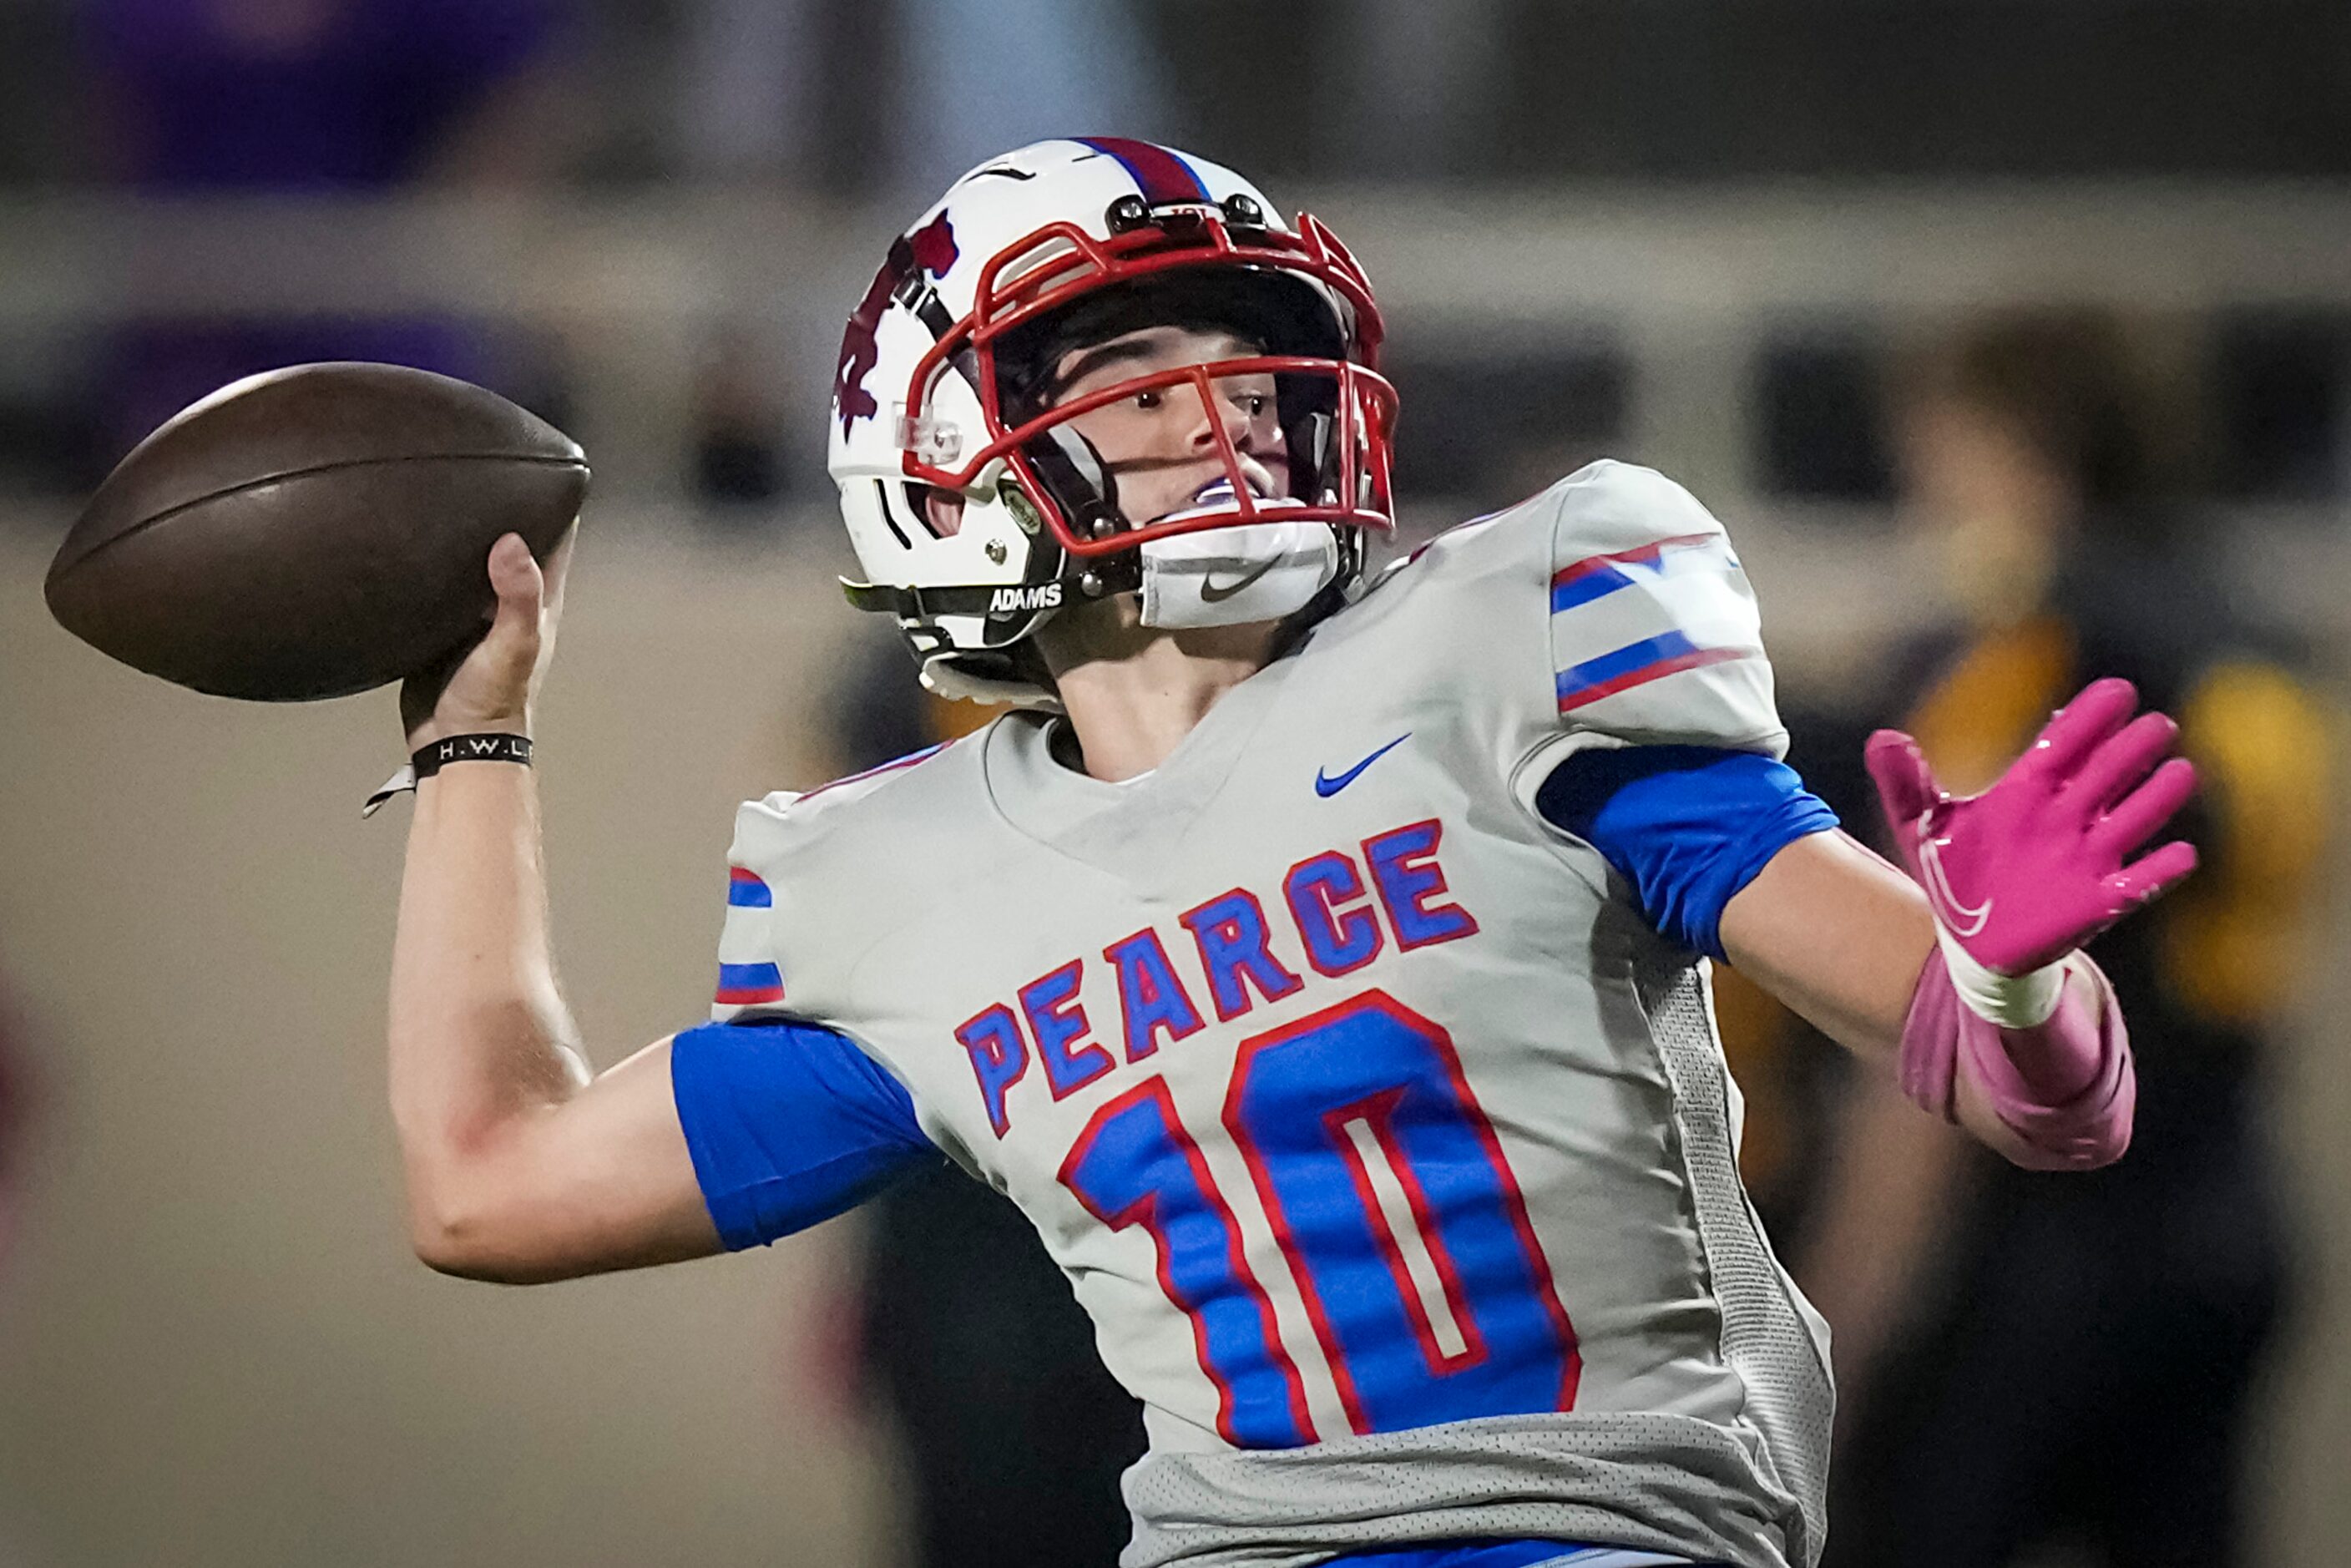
{"x": 1626, "y": 618}
{"x": 749, "y": 984}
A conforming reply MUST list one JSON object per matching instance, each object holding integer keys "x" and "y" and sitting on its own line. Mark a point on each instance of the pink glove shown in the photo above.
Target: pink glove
{"x": 2033, "y": 867}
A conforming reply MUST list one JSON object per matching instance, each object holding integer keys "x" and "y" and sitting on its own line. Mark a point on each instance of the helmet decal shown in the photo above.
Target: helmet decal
{"x": 1163, "y": 176}
{"x": 926, "y": 254}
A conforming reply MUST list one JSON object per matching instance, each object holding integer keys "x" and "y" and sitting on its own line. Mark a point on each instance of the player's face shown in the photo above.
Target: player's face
{"x": 1996, "y": 510}
{"x": 1160, "y": 444}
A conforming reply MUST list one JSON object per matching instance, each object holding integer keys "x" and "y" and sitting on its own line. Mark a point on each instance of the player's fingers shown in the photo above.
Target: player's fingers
{"x": 2074, "y": 730}
{"x": 2140, "y": 814}
{"x": 514, "y": 575}
{"x": 2127, "y": 758}
{"x": 2150, "y": 876}
{"x": 1905, "y": 785}
{"x": 521, "y": 589}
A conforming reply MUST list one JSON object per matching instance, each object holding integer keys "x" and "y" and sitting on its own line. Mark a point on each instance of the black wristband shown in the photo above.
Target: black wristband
{"x": 429, "y": 759}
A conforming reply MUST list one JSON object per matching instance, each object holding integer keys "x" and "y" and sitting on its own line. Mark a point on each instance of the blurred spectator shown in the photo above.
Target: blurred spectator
{"x": 985, "y": 74}
{"x": 753, "y": 109}
{"x": 2026, "y": 1360}
{"x": 314, "y": 96}
{"x": 914, "y": 95}
{"x": 1014, "y": 1432}
{"x": 738, "y": 468}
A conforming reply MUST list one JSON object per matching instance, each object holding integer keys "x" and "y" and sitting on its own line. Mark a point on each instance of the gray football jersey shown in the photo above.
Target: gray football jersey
{"x": 1389, "y": 1147}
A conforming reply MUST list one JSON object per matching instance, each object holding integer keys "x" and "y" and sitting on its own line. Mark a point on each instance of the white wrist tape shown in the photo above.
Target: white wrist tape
{"x": 2012, "y": 1001}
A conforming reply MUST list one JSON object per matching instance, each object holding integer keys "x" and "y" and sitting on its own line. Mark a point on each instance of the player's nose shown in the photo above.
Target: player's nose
{"x": 1232, "y": 406}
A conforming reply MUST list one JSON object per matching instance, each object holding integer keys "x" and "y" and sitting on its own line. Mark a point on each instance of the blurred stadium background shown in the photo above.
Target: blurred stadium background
{"x": 1723, "y": 239}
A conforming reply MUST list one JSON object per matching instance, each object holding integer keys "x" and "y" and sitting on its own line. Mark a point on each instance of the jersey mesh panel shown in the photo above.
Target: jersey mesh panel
{"x": 1765, "y": 1339}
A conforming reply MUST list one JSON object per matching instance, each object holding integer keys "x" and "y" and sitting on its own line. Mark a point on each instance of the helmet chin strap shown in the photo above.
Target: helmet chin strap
{"x": 1233, "y": 576}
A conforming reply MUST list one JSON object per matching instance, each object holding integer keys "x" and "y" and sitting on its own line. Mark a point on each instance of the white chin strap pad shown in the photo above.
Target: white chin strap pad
{"x": 1232, "y": 576}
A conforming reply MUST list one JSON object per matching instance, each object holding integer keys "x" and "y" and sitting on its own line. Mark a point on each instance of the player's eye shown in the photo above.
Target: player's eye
{"x": 1150, "y": 399}
{"x": 1255, "y": 404}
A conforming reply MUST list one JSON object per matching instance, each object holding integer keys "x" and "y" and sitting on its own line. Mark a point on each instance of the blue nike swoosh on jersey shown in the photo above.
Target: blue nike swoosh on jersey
{"x": 1326, "y": 786}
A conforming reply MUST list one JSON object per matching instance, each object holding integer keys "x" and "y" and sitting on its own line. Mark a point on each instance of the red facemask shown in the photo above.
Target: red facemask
{"x": 1337, "y": 415}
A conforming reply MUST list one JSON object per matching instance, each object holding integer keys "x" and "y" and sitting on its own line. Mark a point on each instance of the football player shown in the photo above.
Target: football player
{"x": 1319, "y": 960}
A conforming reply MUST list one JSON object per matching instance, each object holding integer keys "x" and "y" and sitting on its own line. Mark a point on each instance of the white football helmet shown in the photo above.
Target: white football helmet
{"x": 940, "y": 387}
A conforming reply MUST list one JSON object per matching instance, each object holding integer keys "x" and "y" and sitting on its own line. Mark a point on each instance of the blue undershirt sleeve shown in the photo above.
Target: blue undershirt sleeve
{"x": 788, "y": 1125}
{"x": 1687, "y": 826}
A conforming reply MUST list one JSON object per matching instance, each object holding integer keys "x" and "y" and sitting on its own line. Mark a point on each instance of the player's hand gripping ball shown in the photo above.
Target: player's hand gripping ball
{"x": 492, "y": 685}
{"x": 2038, "y": 863}
{"x": 313, "y": 531}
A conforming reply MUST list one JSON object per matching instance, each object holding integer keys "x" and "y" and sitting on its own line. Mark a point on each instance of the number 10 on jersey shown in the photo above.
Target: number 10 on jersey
{"x": 1403, "y": 1229}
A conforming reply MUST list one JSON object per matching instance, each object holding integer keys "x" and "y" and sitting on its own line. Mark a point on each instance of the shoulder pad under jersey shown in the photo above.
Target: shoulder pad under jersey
{"x": 1654, "y": 636}
{"x": 793, "y": 918}
{"x": 1610, "y": 603}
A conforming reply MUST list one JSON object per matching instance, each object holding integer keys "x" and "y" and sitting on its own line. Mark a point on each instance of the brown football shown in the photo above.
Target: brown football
{"x": 312, "y": 531}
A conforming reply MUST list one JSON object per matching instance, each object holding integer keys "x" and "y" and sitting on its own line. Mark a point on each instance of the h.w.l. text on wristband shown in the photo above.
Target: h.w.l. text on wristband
{"x": 432, "y": 757}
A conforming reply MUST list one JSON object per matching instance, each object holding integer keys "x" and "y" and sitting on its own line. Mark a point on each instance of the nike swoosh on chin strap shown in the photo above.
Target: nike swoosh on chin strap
{"x": 1214, "y": 594}
{"x": 1327, "y": 786}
